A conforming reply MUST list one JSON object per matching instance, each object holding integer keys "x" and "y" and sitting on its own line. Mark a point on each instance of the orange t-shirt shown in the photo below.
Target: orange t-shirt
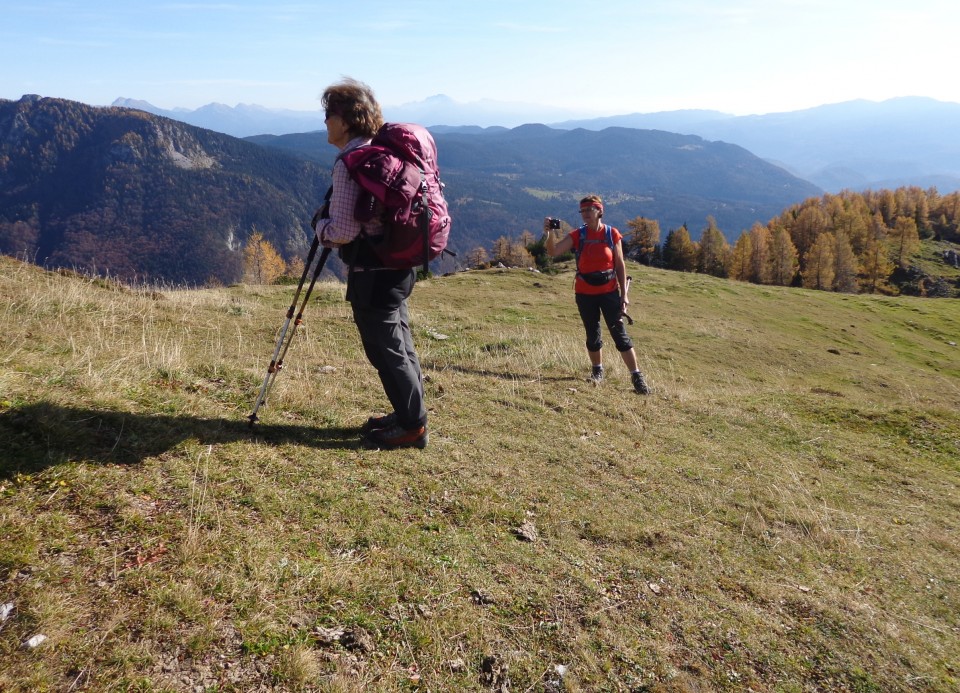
{"x": 597, "y": 256}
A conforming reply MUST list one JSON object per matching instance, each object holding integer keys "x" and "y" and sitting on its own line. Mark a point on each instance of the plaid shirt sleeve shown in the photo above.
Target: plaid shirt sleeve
{"x": 341, "y": 227}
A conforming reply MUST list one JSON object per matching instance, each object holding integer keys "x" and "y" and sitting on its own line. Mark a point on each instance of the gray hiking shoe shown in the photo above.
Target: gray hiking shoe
{"x": 597, "y": 375}
{"x": 639, "y": 384}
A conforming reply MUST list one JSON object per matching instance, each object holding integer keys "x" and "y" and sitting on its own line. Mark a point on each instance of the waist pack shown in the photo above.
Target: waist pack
{"x": 400, "y": 182}
{"x": 597, "y": 278}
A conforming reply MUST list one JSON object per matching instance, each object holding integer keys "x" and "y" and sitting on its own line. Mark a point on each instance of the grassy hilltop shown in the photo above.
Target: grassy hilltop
{"x": 782, "y": 514}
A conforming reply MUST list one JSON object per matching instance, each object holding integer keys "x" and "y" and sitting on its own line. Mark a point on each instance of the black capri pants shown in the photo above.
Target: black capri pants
{"x": 591, "y": 307}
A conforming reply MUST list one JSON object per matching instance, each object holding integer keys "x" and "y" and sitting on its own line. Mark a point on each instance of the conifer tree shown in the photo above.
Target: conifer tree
{"x": 295, "y": 268}
{"x": 713, "y": 251}
{"x": 760, "y": 254}
{"x": 811, "y": 221}
{"x": 818, "y": 269}
{"x": 262, "y": 264}
{"x": 783, "y": 257}
{"x": 519, "y": 256}
{"x": 844, "y": 265}
{"x": 904, "y": 240}
{"x": 679, "y": 252}
{"x": 740, "y": 260}
{"x": 477, "y": 257}
{"x": 643, "y": 239}
{"x": 854, "y": 219}
{"x": 501, "y": 250}
{"x": 875, "y": 266}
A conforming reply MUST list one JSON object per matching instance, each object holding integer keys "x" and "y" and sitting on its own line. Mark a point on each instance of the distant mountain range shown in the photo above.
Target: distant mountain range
{"x": 502, "y": 181}
{"x": 852, "y": 145}
{"x": 140, "y": 196}
{"x": 244, "y": 120}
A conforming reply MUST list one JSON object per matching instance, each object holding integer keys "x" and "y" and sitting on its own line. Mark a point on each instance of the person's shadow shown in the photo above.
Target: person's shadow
{"x": 37, "y": 436}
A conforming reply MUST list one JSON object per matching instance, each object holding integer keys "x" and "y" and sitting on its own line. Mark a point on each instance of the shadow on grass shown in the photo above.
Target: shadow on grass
{"x": 42, "y": 435}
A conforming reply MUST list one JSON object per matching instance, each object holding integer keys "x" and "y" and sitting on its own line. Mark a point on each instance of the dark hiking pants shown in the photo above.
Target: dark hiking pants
{"x": 591, "y": 306}
{"x": 379, "y": 301}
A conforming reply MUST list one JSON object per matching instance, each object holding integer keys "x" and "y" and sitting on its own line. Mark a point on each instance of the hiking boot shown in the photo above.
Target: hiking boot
{"x": 597, "y": 375}
{"x": 639, "y": 384}
{"x": 375, "y": 423}
{"x": 396, "y": 437}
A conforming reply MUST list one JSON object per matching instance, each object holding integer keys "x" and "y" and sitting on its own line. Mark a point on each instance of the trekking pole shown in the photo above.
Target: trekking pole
{"x": 283, "y": 343}
{"x": 626, "y": 292}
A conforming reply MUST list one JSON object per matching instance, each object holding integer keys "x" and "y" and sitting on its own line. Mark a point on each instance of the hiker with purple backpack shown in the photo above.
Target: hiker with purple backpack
{"x": 377, "y": 294}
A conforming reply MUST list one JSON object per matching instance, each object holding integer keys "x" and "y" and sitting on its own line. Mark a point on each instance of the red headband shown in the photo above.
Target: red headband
{"x": 591, "y": 203}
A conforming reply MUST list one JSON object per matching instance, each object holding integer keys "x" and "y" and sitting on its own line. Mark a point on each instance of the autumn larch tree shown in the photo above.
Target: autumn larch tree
{"x": 904, "y": 240}
{"x": 713, "y": 251}
{"x": 643, "y": 239}
{"x": 845, "y": 265}
{"x": 679, "y": 252}
{"x": 783, "y": 257}
{"x": 818, "y": 268}
{"x": 501, "y": 250}
{"x": 477, "y": 257}
{"x": 262, "y": 264}
{"x": 740, "y": 261}
{"x": 760, "y": 254}
{"x": 875, "y": 266}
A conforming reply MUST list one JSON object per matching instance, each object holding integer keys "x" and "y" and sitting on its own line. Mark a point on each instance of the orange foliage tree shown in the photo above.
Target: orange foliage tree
{"x": 262, "y": 264}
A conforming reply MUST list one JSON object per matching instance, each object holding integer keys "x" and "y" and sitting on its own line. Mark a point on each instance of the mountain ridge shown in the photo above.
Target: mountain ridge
{"x": 143, "y": 197}
{"x": 835, "y": 146}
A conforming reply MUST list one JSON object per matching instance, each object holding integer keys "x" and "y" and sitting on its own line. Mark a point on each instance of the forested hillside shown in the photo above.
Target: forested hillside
{"x": 144, "y": 198}
{"x": 136, "y": 196}
{"x": 887, "y": 241}
{"x": 503, "y": 181}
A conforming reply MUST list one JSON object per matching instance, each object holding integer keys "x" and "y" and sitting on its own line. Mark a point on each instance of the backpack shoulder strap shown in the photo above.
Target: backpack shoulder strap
{"x": 582, "y": 239}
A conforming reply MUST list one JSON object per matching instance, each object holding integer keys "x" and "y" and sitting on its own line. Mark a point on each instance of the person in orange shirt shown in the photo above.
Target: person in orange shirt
{"x": 600, "y": 285}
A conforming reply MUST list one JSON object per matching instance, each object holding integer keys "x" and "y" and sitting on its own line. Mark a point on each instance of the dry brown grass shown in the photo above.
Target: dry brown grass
{"x": 781, "y": 514}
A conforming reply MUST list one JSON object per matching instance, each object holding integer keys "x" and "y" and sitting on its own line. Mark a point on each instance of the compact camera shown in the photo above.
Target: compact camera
{"x": 554, "y": 223}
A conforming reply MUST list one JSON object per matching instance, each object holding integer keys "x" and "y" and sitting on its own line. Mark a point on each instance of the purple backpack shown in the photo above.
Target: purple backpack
{"x": 399, "y": 177}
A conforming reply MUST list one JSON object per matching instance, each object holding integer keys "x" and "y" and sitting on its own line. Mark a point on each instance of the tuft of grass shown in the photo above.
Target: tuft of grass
{"x": 780, "y": 514}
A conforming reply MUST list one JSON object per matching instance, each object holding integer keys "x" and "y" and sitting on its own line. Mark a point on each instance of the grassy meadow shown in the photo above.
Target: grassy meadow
{"x": 781, "y": 514}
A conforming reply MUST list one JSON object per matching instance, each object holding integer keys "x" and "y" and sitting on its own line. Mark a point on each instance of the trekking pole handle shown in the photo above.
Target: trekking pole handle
{"x": 626, "y": 292}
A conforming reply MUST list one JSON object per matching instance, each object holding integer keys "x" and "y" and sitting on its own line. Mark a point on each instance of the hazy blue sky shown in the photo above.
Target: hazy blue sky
{"x": 603, "y": 57}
